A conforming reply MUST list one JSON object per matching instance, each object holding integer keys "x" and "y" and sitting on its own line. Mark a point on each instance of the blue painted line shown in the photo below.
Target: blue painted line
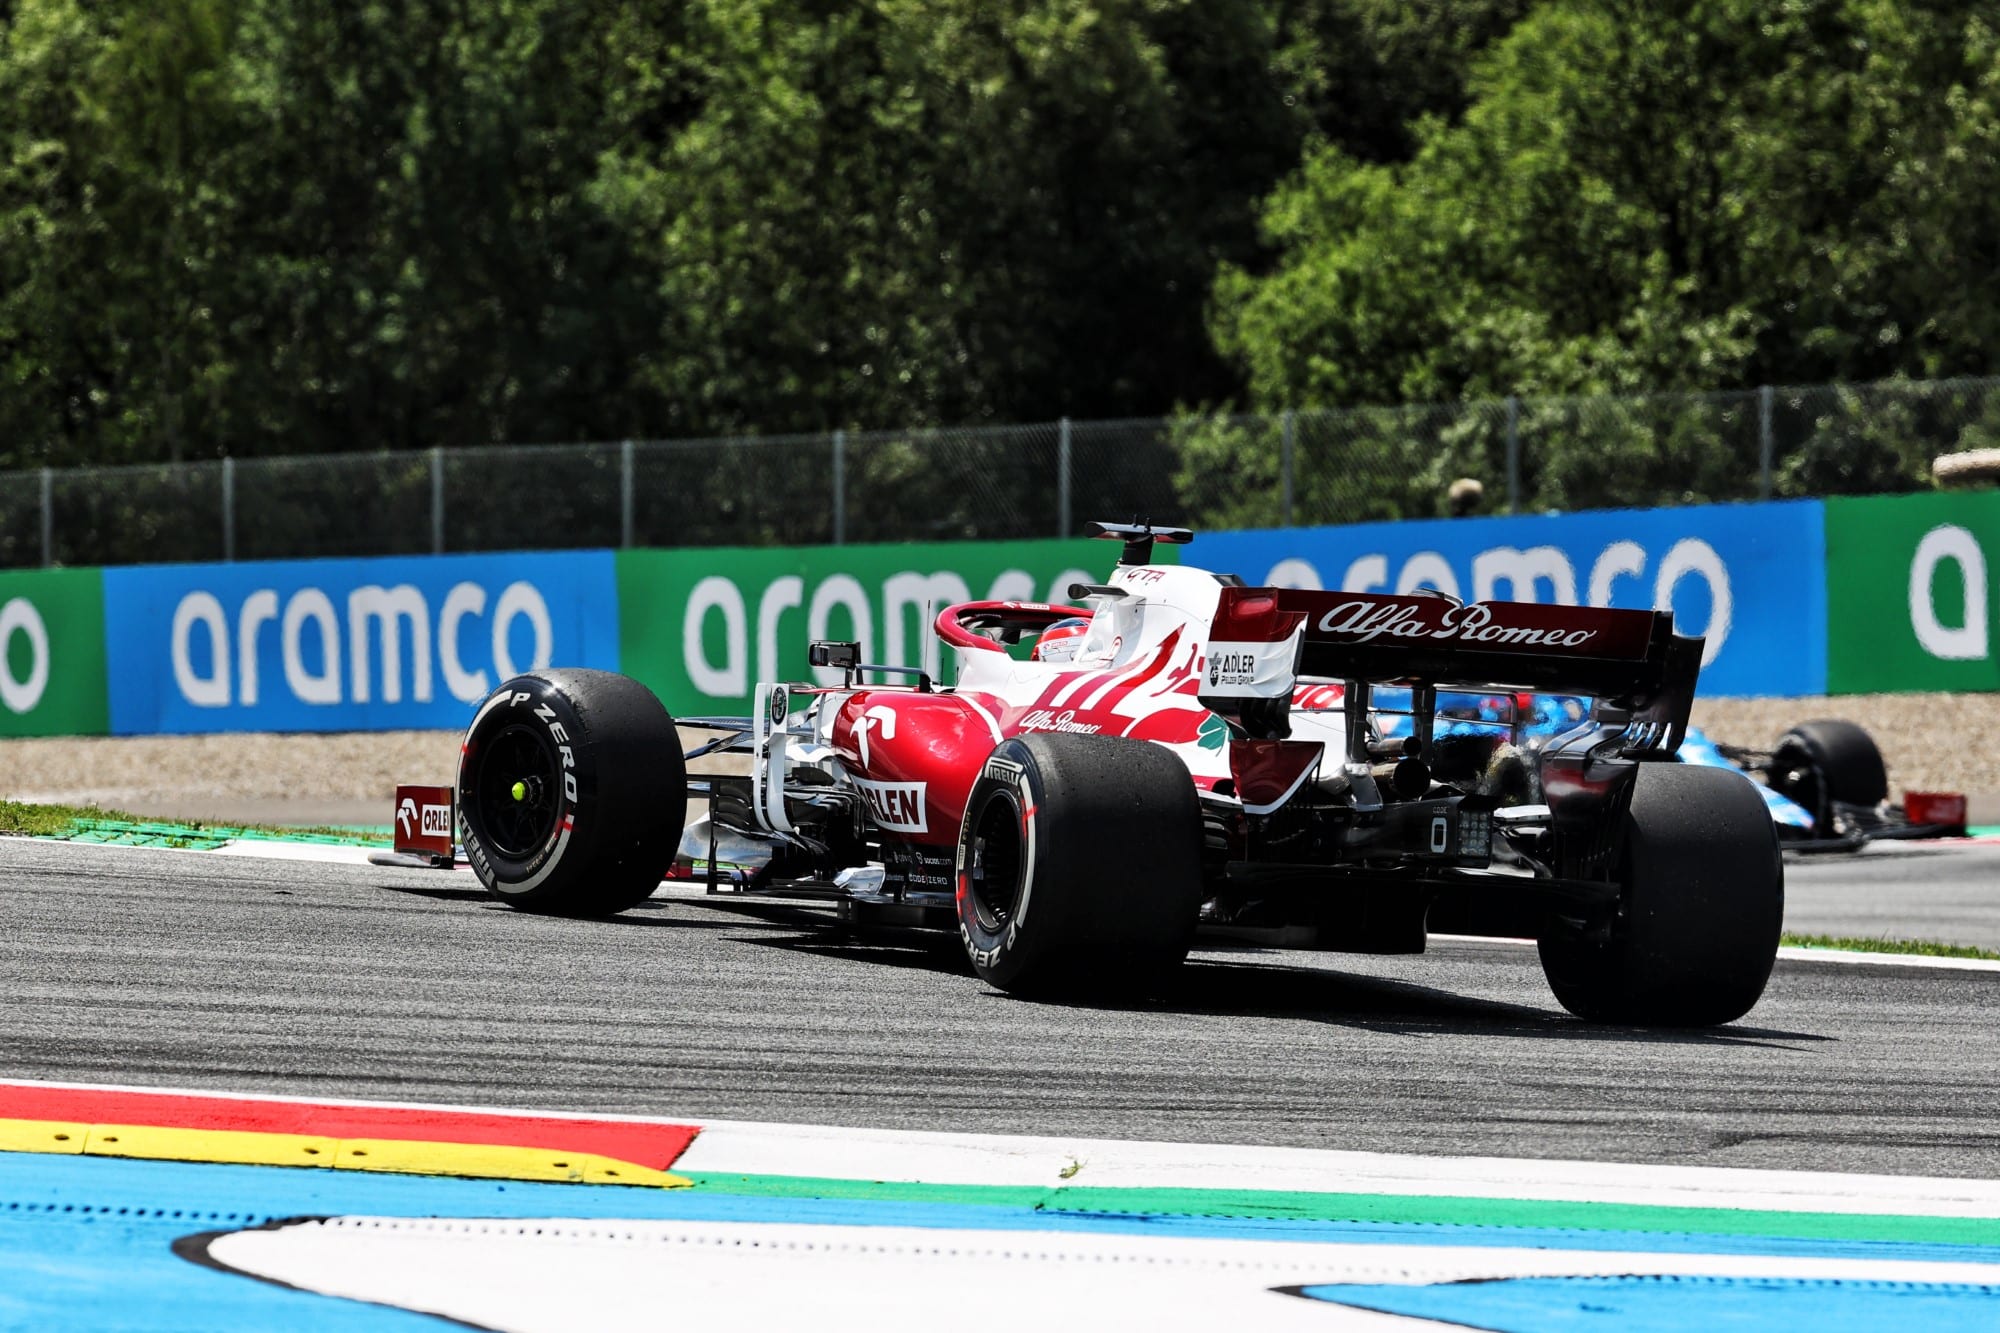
{"x": 1663, "y": 1304}
{"x": 118, "y": 1274}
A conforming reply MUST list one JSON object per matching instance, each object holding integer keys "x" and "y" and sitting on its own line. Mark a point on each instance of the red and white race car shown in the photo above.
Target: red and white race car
{"x": 1182, "y": 756}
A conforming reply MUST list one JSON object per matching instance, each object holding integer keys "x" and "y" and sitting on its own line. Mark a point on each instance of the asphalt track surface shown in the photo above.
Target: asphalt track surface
{"x": 1899, "y": 890}
{"x": 201, "y": 971}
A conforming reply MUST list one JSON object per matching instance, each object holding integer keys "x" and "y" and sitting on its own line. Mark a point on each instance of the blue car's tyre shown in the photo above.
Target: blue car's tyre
{"x": 1823, "y": 764}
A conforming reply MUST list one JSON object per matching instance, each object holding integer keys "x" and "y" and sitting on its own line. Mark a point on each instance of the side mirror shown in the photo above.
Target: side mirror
{"x": 840, "y": 656}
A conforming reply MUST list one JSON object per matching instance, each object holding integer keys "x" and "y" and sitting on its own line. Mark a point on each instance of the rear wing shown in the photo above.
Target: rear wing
{"x": 1263, "y": 639}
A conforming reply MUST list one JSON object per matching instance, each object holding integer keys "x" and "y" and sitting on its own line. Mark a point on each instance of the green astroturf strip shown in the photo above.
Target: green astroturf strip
{"x": 1903, "y": 948}
{"x": 873, "y": 1191}
{"x": 1431, "y": 1210}
{"x": 203, "y": 836}
{"x": 122, "y": 834}
{"x": 89, "y": 823}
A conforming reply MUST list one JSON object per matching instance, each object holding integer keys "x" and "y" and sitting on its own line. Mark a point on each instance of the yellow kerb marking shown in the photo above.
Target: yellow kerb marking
{"x": 42, "y": 1136}
{"x": 243, "y": 1147}
{"x": 246, "y": 1148}
{"x": 491, "y": 1162}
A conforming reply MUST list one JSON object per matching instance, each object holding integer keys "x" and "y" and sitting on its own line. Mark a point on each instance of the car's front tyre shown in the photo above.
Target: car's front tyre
{"x": 572, "y": 792}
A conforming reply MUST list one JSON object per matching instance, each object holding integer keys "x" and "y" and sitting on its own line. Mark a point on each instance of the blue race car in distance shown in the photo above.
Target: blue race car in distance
{"x": 1824, "y": 782}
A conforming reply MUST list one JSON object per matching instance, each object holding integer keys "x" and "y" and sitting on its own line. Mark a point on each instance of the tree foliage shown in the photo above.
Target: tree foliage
{"x": 1649, "y": 196}
{"x": 273, "y": 226}
{"x": 263, "y": 226}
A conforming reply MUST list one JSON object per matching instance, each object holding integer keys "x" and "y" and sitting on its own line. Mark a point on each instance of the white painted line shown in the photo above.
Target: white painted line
{"x": 277, "y": 850}
{"x": 1794, "y": 954}
{"x": 169, "y": 1090}
{"x": 324, "y": 852}
{"x": 1798, "y": 954}
{"x": 544, "y": 1275}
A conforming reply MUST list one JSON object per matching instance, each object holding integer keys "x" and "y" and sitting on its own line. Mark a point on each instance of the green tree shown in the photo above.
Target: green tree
{"x": 1367, "y": 72}
{"x": 1650, "y": 196}
{"x": 107, "y": 343}
{"x": 278, "y": 226}
{"x": 255, "y": 226}
{"x": 417, "y": 256}
{"x": 927, "y": 211}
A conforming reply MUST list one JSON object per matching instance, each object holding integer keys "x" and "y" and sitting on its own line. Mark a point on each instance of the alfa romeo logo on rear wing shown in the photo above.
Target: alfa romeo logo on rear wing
{"x": 1358, "y": 618}
{"x": 1360, "y": 622}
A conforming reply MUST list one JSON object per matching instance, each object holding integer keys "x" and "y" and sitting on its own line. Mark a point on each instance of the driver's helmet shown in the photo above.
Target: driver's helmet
{"x": 1060, "y": 641}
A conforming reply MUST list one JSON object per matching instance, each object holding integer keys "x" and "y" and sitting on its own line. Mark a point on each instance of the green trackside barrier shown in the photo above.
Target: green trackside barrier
{"x": 703, "y": 627}
{"x": 1910, "y": 592}
{"x": 52, "y": 680}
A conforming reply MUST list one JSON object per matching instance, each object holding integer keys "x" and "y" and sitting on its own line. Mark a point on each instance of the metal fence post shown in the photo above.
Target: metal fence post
{"x": 1764, "y": 442}
{"x": 229, "y": 510}
{"x": 1285, "y": 461}
{"x": 625, "y": 494}
{"x": 840, "y": 488}
{"x": 1513, "y": 454}
{"x": 48, "y": 517}
{"x": 1062, "y": 477}
{"x": 437, "y": 499}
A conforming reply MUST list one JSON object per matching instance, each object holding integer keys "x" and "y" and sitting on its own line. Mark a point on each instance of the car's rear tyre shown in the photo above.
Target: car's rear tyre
{"x": 572, "y": 791}
{"x": 1817, "y": 764}
{"x": 1703, "y": 900}
{"x": 1079, "y": 867}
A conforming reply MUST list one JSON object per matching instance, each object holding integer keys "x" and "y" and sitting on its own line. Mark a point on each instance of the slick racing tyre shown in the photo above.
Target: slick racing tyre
{"x": 1703, "y": 898}
{"x": 1079, "y": 866}
{"x": 1817, "y": 764}
{"x": 573, "y": 791}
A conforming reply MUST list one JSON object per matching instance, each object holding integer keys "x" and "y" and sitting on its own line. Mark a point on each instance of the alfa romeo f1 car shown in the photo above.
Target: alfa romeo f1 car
{"x": 1206, "y": 760}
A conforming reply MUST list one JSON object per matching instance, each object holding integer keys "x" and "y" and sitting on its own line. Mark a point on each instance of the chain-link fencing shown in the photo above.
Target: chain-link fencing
{"x": 1530, "y": 455}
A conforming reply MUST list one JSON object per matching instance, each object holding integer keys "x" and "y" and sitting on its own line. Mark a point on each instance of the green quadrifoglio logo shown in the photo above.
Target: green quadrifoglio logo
{"x": 1214, "y": 733}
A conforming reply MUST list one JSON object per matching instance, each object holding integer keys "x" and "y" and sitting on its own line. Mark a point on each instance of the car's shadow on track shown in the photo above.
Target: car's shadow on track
{"x": 441, "y": 894}
{"x": 1404, "y": 1008}
{"x": 823, "y": 937}
{"x": 1254, "y": 987}
{"x": 652, "y": 913}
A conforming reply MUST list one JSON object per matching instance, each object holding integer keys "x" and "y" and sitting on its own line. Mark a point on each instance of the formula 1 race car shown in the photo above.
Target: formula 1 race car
{"x": 1824, "y": 782}
{"x": 1181, "y": 757}
{"x": 1828, "y": 789}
